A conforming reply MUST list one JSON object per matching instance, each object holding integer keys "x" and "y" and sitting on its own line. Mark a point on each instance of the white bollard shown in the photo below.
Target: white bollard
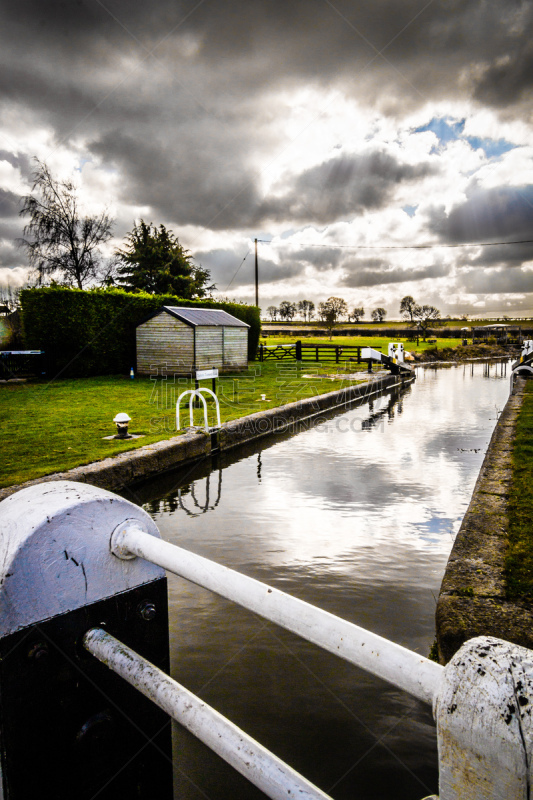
{"x": 485, "y": 731}
{"x": 65, "y": 727}
{"x": 396, "y": 352}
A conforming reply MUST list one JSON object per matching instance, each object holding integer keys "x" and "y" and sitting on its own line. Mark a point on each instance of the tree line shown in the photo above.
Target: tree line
{"x": 333, "y": 308}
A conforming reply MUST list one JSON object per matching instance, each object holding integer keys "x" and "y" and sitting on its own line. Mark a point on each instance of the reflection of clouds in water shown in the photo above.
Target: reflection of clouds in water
{"x": 406, "y": 481}
{"x": 347, "y": 495}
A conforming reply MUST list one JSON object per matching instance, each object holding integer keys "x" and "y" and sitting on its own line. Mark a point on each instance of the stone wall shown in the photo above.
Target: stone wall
{"x": 472, "y": 599}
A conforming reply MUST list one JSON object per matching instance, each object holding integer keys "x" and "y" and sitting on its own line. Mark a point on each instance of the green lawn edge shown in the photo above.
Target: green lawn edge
{"x": 519, "y": 556}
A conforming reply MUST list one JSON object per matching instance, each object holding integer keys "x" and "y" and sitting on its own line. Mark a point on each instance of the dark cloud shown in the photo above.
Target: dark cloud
{"x": 229, "y": 271}
{"x": 20, "y": 161}
{"x": 9, "y": 204}
{"x": 94, "y": 68}
{"x": 321, "y": 258}
{"x": 10, "y": 255}
{"x": 358, "y": 277}
{"x": 509, "y": 78}
{"x": 503, "y": 213}
{"x": 342, "y": 187}
{"x": 493, "y": 281}
{"x": 511, "y": 256}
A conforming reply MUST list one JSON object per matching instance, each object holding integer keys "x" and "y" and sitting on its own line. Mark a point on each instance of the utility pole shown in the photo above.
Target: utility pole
{"x": 256, "y": 277}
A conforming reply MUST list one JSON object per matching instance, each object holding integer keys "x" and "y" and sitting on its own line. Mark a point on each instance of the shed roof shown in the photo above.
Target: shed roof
{"x": 201, "y": 316}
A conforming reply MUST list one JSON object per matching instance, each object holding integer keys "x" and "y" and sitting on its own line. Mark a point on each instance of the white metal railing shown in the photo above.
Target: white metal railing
{"x": 484, "y": 754}
{"x": 197, "y": 393}
{"x": 262, "y": 768}
{"x": 396, "y": 664}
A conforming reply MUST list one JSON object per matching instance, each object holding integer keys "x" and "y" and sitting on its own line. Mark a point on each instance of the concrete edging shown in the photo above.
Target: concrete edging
{"x": 472, "y": 600}
{"x": 119, "y": 471}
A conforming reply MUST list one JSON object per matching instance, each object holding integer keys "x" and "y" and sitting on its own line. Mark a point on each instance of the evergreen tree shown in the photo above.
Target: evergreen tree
{"x": 154, "y": 261}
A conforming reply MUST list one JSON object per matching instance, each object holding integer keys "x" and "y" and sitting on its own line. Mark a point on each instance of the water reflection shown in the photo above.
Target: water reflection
{"x": 357, "y": 515}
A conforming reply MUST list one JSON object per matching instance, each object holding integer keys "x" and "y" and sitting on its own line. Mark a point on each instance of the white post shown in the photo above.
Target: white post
{"x": 484, "y": 722}
{"x": 62, "y": 727}
{"x": 396, "y": 351}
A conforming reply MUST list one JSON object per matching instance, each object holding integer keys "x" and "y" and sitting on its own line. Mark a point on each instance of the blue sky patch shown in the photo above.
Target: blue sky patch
{"x": 410, "y": 210}
{"x": 447, "y": 130}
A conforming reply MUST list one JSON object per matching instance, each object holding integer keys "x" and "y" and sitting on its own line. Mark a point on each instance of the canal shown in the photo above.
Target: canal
{"x": 356, "y": 515}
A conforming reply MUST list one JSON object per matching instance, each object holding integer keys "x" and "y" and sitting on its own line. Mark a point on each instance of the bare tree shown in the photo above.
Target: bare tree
{"x": 61, "y": 240}
{"x": 272, "y": 312}
{"x": 407, "y": 307}
{"x": 306, "y": 309}
{"x": 287, "y": 310}
{"x": 379, "y": 314}
{"x": 331, "y": 310}
{"x": 357, "y": 314}
{"x": 424, "y": 316}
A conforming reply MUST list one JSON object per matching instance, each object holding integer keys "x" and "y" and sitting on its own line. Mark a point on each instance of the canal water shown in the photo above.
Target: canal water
{"x": 356, "y": 515}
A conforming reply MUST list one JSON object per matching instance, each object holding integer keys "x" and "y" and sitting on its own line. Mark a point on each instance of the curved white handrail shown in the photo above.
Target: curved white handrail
{"x": 193, "y": 394}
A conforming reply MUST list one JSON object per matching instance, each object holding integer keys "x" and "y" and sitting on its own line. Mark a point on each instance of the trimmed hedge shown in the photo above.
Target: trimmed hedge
{"x": 93, "y": 332}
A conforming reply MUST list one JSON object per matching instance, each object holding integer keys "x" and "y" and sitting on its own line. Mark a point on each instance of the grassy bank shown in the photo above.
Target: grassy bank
{"x": 52, "y": 427}
{"x": 519, "y": 560}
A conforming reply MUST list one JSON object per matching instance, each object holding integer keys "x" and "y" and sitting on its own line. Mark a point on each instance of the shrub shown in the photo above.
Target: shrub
{"x": 93, "y": 332}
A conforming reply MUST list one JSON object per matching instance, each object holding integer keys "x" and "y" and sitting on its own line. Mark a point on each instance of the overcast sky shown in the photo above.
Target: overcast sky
{"x": 330, "y": 131}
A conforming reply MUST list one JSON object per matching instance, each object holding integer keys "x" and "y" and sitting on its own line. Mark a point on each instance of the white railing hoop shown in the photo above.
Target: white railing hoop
{"x": 396, "y": 664}
{"x": 193, "y": 394}
{"x": 261, "y": 767}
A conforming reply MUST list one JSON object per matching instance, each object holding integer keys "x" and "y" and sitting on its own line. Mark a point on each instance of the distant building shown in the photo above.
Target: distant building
{"x": 504, "y": 334}
{"x": 182, "y": 340}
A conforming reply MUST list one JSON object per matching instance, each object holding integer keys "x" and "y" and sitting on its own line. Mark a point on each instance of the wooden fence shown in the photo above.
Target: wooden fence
{"x": 301, "y": 351}
{"x": 21, "y": 363}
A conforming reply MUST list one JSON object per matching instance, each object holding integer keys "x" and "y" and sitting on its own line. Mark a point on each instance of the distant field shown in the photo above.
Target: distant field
{"x": 362, "y": 341}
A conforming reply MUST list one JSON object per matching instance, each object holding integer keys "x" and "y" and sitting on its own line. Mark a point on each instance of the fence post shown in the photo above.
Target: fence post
{"x": 68, "y": 726}
{"x": 484, "y": 722}
{"x": 261, "y": 351}
{"x": 298, "y": 350}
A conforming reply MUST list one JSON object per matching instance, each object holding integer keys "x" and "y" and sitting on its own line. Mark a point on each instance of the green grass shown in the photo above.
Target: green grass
{"x": 519, "y": 559}
{"x": 52, "y": 427}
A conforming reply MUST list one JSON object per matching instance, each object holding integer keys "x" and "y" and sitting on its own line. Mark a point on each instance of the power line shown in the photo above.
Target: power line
{"x": 402, "y": 246}
{"x": 238, "y": 268}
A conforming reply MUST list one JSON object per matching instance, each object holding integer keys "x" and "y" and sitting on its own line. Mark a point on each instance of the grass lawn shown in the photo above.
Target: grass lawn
{"x": 51, "y": 427}
{"x": 519, "y": 560}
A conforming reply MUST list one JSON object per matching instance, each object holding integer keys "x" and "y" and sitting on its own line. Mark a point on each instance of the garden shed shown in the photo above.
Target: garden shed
{"x": 186, "y": 339}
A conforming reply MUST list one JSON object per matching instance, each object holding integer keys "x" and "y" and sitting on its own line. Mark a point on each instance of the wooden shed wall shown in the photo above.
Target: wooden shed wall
{"x": 209, "y": 346}
{"x": 165, "y": 340}
{"x": 235, "y": 347}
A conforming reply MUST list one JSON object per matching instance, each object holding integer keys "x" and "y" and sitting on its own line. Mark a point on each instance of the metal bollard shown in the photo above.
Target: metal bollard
{"x": 483, "y": 714}
{"x": 68, "y": 726}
